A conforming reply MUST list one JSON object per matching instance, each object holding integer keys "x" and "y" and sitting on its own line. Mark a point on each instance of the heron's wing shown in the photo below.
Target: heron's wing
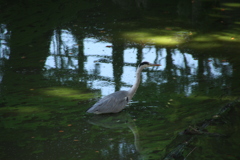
{"x": 112, "y": 103}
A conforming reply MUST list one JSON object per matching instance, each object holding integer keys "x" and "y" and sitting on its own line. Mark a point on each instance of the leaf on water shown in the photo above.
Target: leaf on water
{"x": 61, "y": 131}
{"x": 69, "y": 125}
{"x": 97, "y": 151}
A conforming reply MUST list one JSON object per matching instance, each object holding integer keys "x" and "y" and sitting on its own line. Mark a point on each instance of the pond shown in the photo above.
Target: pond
{"x": 59, "y": 58}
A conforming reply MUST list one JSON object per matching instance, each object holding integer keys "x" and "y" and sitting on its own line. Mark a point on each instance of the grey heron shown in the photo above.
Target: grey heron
{"x": 117, "y": 101}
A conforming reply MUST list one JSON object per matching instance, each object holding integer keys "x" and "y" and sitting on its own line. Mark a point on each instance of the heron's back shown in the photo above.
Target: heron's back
{"x": 112, "y": 103}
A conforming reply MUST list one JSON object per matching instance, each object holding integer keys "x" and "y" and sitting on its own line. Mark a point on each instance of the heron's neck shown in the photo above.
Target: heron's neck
{"x": 135, "y": 86}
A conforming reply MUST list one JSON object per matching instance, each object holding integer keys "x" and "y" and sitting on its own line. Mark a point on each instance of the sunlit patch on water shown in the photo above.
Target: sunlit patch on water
{"x": 102, "y": 73}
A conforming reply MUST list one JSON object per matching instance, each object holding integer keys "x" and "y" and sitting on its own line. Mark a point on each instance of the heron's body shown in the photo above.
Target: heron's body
{"x": 117, "y": 101}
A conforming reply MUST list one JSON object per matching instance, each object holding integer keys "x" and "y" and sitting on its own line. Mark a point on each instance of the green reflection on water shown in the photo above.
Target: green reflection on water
{"x": 44, "y": 118}
{"x": 232, "y": 4}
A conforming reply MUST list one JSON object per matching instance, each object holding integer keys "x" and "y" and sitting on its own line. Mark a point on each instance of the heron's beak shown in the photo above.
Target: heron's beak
{"x": 155, "y": 64}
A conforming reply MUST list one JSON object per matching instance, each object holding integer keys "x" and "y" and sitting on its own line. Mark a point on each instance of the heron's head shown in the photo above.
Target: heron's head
{"x": 147, "y": 64}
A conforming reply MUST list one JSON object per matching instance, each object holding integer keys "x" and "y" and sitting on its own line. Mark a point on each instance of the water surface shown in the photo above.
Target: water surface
{"x": 187, "y": 108}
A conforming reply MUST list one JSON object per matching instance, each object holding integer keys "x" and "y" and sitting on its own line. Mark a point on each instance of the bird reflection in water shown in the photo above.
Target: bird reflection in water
{"x": 117, "y": 121}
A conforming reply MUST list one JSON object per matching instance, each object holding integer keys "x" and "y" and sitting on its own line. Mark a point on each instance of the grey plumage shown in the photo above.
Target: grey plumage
{"x": 112, "y": 103}
{"x": 117, "y": 101}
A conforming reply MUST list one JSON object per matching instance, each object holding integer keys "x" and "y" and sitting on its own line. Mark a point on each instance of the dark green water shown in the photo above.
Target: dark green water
{"x": 187, "y": 108}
